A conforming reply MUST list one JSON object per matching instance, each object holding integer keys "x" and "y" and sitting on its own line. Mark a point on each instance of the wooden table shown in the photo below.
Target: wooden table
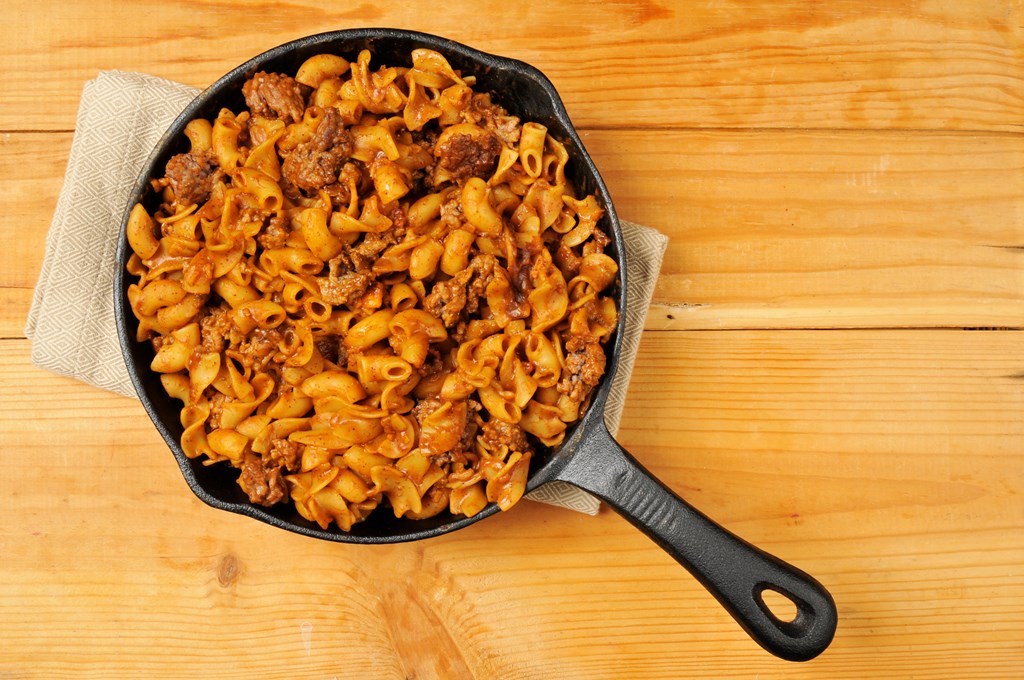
{"x": 832, "y": 366}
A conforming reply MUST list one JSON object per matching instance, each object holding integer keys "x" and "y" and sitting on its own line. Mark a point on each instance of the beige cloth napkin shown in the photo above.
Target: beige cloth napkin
{"x": 121, "y": 117}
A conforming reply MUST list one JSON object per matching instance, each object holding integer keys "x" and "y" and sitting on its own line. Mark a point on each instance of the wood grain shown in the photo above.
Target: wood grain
{"x": 32, "y": 166}
{"x": 810, "y": 229}
{"x": 730, "y": 63}
{"x": 841, "y": 183}
{"x": 14, "y": 306}
{"x": 884, "y": 462}
{"x": 827, "y": 229}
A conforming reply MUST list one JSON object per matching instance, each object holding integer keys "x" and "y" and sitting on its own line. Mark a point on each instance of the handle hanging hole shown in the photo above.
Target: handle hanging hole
{"x": 778, "y": 604}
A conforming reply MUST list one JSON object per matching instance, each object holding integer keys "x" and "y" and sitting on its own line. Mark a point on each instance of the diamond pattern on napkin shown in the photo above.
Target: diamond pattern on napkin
{"x": 71, "y": 321}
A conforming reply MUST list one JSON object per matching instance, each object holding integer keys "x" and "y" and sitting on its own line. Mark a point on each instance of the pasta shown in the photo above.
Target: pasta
{"x": 372, "y": 287}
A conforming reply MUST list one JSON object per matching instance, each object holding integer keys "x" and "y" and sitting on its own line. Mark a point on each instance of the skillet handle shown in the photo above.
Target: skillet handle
{"x": 734, "y": 571}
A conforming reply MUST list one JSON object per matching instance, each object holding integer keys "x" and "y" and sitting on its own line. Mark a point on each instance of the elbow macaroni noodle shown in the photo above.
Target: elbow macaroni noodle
{"x": 396, "y": 310}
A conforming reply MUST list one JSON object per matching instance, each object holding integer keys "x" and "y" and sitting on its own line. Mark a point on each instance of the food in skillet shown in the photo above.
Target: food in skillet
{"x": 373, "y": 286}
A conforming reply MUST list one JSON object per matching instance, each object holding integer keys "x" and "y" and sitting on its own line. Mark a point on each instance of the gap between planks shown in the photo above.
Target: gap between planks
{"x": 958, "y": 132}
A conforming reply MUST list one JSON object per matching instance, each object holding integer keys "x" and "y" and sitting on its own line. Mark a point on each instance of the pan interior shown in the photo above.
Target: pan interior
{"x": 523, "y": 91}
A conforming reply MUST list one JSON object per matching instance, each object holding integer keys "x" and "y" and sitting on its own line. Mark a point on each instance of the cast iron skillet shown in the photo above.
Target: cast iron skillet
{"x": 735, "y": 572}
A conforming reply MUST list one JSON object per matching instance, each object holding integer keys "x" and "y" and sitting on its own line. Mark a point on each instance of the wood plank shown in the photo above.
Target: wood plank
{"x": 32, "y": 165}
{"x": 826, "y": 229}
{"x": 886, "y": 463}
{"x": 941, "y": 65}
{"x": 884, "y": 407}
{"x": 14, "y": 306}
{"x": 768, "y": 229}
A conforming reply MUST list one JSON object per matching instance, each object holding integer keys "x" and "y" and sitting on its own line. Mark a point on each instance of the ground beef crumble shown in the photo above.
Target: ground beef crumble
{"x": 192, "y": 176}
{"x": 496, "y": 432}
{"x": 463, "y": 292}
{"x": 259, "y": 349}
{"x": 584, "y": 366}
{"x": 275, "y": 233}
{"x": 262, "y": 481}
{"x": 494, "y": 118}
{"x": 286, "y": 454}
{"x": 214, "y": 328}
{"x": 465, "y": 155}
{"x": 343, "y": 284}
{"x": 425, "y": 407}
{"x": 275, "y": 95}
{"x": 315, "y": 164}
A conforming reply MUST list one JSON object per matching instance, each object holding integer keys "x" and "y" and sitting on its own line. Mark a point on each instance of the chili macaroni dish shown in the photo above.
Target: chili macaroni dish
{"x": 372, "y": 286}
